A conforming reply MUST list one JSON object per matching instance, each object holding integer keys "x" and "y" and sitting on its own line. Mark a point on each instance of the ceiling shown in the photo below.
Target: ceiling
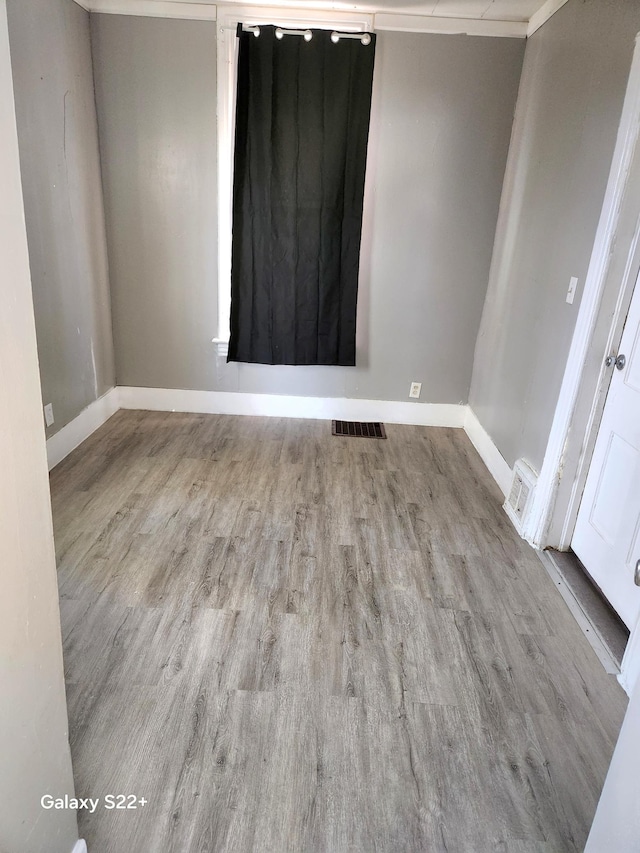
{"x": 490, "y": 10}
{"x": 511, "y": 18}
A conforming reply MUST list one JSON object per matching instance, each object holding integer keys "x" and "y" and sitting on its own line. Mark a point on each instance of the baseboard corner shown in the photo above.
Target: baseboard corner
{"x": 489, "y": 453}
{"x": 60, "y": 445}
{"x": 80, "y": 846}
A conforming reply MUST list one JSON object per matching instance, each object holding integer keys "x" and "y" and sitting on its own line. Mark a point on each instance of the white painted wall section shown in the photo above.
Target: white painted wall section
{"x": 34, "y": 746}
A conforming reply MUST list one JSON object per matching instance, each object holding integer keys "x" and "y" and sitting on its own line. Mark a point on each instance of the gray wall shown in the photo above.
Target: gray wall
{"x": 57, "y": 130}
{"x": 573, "y": 83}
{"x": 441, "y": 120}
{"x": 34, "y": 745}
{"x": 156, "y": 95}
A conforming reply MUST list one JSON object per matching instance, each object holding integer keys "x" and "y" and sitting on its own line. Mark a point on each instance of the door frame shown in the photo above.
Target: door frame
{"x": 608, "y": 289}
{"x": 586, "y": 380}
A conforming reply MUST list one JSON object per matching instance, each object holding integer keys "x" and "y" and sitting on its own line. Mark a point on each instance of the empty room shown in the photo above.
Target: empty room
{"x": 320, "y": 436}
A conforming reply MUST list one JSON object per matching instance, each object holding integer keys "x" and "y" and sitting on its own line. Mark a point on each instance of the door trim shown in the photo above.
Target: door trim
{"x": 601, "y": 316}
{"x": 585, "y": 383}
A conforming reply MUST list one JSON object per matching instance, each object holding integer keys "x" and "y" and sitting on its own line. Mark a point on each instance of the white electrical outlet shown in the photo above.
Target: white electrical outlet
{"x": 573, "y": 283}
{"x": 415, "y": 389}
{"x": 48, "y": 414}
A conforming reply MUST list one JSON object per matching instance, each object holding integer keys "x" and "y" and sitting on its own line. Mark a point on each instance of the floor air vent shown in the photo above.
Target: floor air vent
{"x": 519, "y": 499}
{"x": 357, "y": 429}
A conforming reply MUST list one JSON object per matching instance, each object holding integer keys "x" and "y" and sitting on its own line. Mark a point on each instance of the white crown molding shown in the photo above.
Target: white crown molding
{"x": 379, "y": 21}
{"x": 229, "y": 14}
{"x": 543, "y": 14}
{"x": 152, "y": 9}
{"x": 81, "y": 427}
{"x": 449, "y": 26}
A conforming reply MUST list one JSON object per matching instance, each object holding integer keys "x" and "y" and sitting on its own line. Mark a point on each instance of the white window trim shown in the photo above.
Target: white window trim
{"x": 228, "y": 19}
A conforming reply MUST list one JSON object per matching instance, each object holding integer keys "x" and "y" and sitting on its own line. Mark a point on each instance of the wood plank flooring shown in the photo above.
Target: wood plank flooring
{"x": 292, "y": 642}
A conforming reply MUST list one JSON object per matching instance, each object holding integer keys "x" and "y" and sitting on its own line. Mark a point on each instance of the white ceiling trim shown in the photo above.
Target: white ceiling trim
{"x": 396, "y": 22}
{"x": 285, "y": 16}
{"x": 152, "y": 9}
{"x": 543, "y": 14}
{"x": 449, "y": 26}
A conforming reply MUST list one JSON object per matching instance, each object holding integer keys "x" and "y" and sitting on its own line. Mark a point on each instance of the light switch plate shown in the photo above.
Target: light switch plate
{"x": 573, "y": 283}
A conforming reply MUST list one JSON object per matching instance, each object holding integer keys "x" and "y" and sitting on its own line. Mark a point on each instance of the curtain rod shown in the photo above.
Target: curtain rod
{"x": 307, "y": 35}
{"x": 364, "y": 38}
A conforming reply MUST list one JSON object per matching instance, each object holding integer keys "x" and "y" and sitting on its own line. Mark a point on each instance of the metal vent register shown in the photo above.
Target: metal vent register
{"x": 523, "y": 484}
{"x": 358, "y": 429}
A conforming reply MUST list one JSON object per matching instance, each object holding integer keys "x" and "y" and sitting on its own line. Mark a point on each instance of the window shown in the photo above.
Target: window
{"x": 226, "y": 68}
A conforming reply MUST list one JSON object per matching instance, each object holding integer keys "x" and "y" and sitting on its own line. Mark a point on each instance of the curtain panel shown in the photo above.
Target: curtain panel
{"x": 302, "y": 124}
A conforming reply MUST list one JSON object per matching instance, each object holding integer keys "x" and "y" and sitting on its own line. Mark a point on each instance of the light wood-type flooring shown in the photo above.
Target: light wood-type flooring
{"x": 296, "y": 643}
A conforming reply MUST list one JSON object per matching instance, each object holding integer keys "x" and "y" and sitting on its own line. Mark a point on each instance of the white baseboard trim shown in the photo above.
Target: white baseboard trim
{"x": 489, "y": 453}
{"x": 280, "y": 406}
{"x": 80, "y": 846}
{"x": 276, "y": 405}
{"x": 74, "y": 433}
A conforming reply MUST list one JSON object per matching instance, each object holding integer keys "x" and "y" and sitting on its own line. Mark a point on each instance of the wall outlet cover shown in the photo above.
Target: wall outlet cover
{"x": 415, "y": 389}
{"x": 48, "y": 414}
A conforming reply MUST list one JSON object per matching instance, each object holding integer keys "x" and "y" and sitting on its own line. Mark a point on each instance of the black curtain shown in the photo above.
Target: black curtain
{"x": 302, "y": 124}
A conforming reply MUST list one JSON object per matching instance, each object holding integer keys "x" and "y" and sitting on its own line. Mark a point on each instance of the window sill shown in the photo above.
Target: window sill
{"x": 221, "y": 347}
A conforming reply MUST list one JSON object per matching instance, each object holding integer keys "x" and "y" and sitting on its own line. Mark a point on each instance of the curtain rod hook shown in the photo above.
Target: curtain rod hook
{"x": 365, "y": 38}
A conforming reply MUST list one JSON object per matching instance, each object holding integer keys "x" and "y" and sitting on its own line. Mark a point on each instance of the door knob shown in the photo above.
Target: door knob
{"x": 619, "y": 361}
{"x": 636, "y": 574}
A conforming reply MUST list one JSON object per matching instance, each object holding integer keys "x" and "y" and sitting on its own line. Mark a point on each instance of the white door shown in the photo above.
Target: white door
{"x": 607, "y": 534}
